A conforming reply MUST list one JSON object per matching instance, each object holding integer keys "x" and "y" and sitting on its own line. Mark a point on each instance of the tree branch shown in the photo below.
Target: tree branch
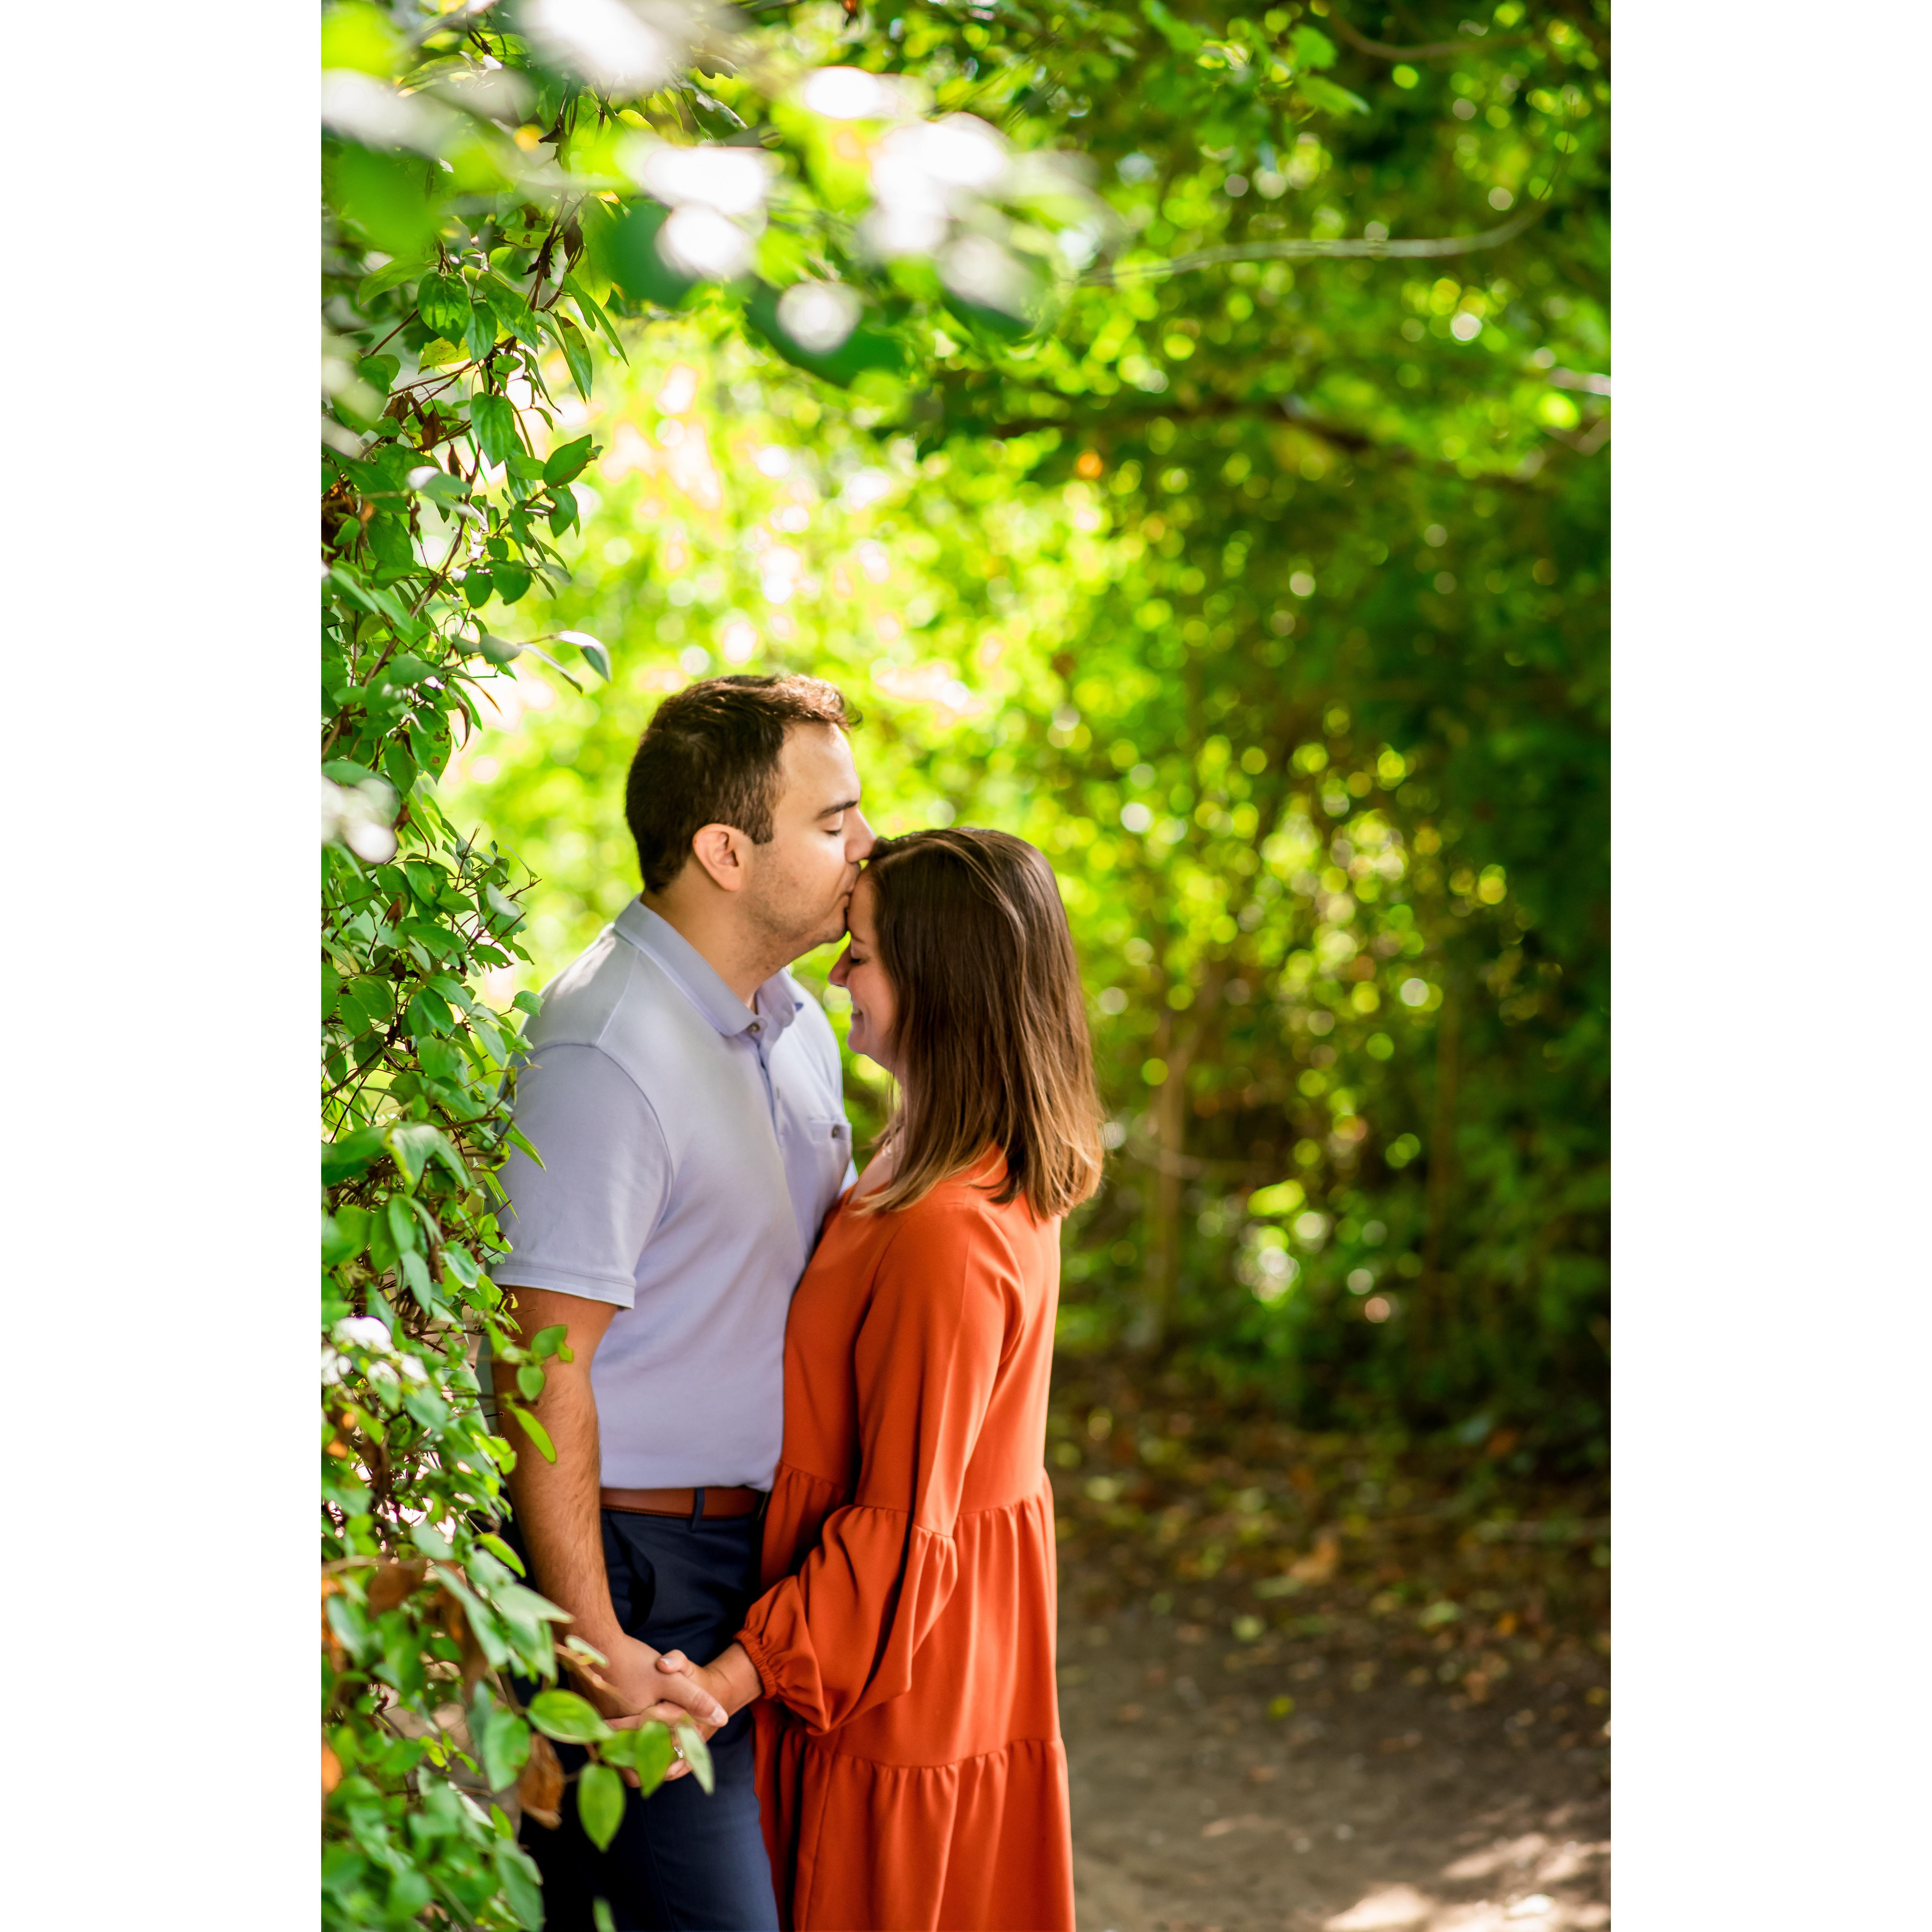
{"x": 1432, "y": 248}
{"x": 1207, "y": 411}
{"x": 1382, "y": 50}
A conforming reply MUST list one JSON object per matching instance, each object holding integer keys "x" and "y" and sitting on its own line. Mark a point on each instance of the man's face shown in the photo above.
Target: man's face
{"x": 802, "y": 881}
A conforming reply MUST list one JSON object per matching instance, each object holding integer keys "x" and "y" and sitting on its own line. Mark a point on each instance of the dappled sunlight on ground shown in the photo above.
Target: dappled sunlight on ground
{"x": 1349, "y": 1726}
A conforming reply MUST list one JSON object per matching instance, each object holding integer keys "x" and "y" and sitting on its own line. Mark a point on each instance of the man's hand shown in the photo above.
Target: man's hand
{"x": 556, "y": 1504}
{"x": 638, "y": 1680}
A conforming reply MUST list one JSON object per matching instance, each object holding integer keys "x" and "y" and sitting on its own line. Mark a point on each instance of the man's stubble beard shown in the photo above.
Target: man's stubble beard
{"x": 783, "y": 934}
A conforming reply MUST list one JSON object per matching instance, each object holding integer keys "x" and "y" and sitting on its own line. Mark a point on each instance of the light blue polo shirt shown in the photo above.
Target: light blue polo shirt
{"x": 691, "y": 1148}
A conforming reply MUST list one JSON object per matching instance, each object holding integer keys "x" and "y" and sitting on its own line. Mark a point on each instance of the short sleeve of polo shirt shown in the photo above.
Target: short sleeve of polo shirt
{"x": 578, "y": 1223}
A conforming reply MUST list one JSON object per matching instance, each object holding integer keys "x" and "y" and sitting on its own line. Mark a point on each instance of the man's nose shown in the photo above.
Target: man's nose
{"x": 862, "y": 840}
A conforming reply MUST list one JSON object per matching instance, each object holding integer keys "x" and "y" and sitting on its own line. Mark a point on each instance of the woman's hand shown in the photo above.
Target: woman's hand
{"x": 730, "y": 1678}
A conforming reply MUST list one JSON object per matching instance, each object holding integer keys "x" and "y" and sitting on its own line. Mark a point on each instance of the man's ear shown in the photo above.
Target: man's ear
{"x": 721, "y": 850}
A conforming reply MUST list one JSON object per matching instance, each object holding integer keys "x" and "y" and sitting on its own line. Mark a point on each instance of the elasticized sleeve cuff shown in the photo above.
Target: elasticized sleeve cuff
{"x": 761, "y": 1662}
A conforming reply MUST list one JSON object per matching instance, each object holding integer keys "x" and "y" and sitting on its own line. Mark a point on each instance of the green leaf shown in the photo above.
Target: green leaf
{"x": 1326, "y": 96}
{"x": 443, "y": 303}
{"x": 504, "y": 1746}
{"x": 573, "y": 287}
{"x": 402, "y": 1228}
{"x": 391, "y": 275}
{"x": 651, "y": 1755}
{"x": 576, "y": 353}
{"x": 427, "y": 480}
{"x": 344, "y": 1235}
{"x": 429, "y": 1013}
{"x": 431, "y": 1542}
{"x": 530, "y": 1381}
{"x": 600, "y": 1803}
{"x": 492, "y": 421}
{"x": 601, "y": 1920}
{"x": 697, "y": 1755}
{"x": 353, "y": 1154}
{"x": 1182, "y": 37}
{"x": 386, "y": 196}
{"x": 1311, "y": 47}
{"x": 534, "y": 1430}
{"x": 564, "y": 1716}
{"x": 594, "y": 655}
{"x": 567, "y": 460}
{"x": 517, "y": 1873}
{"x": 413, "y": 1142}
{"x": 408, "y": 669}
{"x": 498, "y": 1548}
{"x": 510, "y": 579}
{"x": 480, "y": 337}
{"x": 513, "y": 311}
{"x": 548, "y": 1342}
{"x": 528, "y": 1003}
{"x": 415, "y": 1272}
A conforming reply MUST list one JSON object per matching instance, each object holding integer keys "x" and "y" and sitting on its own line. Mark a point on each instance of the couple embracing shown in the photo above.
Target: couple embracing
{"x": 800, "y": 1496}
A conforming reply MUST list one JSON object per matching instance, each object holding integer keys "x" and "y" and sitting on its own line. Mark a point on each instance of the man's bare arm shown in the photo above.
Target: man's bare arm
{"x": 556, "y": 1506}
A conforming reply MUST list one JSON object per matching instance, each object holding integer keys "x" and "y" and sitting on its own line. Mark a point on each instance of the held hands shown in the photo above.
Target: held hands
{"x": 631, "y": 1689}
{"x": 729, "y": 1682}
{"x": 637, "y": 1682}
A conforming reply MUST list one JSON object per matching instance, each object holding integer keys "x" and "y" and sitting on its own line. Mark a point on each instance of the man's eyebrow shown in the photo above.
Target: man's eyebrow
{"x": 844, "y": 805}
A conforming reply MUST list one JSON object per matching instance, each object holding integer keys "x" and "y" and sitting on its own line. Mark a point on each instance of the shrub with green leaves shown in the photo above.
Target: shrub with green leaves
{"x": 500, "y": 193}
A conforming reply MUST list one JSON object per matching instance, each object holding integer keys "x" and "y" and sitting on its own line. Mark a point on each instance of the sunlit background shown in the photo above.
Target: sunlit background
{"x": 1314, "y": 754}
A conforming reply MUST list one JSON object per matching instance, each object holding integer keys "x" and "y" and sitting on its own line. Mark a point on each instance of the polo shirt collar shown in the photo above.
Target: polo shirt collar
{"x": 777, "y": 1006}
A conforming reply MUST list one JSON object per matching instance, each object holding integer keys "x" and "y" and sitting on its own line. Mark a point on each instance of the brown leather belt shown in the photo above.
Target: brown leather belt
{"x": 697, "y": 1504}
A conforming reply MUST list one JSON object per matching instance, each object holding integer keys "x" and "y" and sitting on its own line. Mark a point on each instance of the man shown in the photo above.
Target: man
{"x": 685, "y": 1096}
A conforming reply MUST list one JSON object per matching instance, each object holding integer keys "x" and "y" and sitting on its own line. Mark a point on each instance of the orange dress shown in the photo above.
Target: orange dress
{"x": 910, "y": 1766}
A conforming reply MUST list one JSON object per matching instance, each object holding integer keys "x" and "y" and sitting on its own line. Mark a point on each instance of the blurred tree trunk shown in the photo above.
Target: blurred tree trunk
{"x": 1181, "y": 1039}
{"x": 1431, "y": 1316}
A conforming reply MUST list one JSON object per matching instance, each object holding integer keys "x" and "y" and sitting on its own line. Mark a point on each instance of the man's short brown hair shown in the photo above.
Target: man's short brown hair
{"x": 711, "y": 755}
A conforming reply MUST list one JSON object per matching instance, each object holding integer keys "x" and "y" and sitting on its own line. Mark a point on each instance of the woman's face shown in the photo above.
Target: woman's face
{"x": 874, "y": 1010}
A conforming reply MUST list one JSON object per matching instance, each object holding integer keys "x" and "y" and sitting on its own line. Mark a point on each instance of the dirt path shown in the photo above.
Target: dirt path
{"x": 1379, "y": 1810}
{"x": 1255, "y": 1750}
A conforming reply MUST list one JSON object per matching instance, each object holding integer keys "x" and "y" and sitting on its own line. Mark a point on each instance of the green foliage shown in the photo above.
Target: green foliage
{"x": 1270, "y": 598}
{"x": 1229, "y": 522}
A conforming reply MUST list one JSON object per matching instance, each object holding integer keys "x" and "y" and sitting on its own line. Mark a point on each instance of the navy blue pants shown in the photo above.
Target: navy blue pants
{"x": 681, "y": 1862}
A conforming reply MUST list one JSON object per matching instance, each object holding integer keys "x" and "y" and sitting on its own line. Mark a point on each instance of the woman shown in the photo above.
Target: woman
{"x": 909, "y": 1765}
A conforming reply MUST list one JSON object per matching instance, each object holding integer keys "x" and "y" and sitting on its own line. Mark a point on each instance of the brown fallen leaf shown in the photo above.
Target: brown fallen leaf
{"x": 1319, "y": 1564}
{"x": 540, "y": 1783}
{"x": 331, "y": 1769}
{"x": 392, "y": 1583}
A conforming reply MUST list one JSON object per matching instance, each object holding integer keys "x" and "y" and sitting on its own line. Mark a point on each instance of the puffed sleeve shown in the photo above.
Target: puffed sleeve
{"x": 839, "y": 1636}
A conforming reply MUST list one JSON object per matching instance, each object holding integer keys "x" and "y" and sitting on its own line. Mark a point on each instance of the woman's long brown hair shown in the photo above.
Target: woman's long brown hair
{"x": 991, "y": 1036}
